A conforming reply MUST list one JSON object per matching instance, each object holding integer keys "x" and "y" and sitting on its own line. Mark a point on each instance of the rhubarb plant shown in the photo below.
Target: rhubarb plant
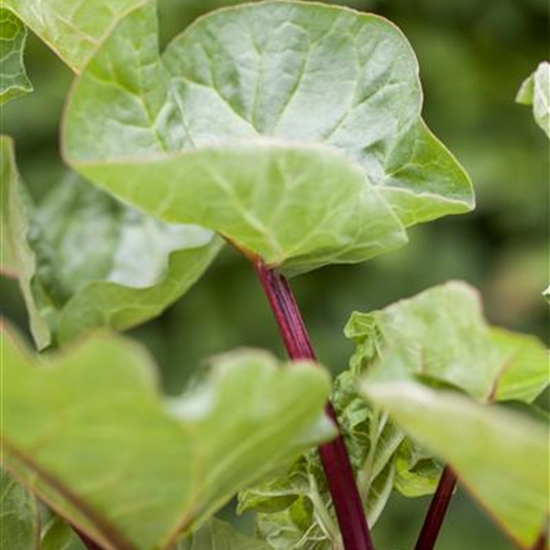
{"x": 293, "y": 132}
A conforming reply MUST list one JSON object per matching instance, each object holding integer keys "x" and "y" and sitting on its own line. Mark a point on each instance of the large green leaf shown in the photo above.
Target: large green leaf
{"x": 291, "y": 128}
{"x": 13, "y": 77}
{"x": 86, "y": 260}
{"x": 89, "y": 433}
{"x": 217, "y": 535}
{"x": 440, "y": 337}
{"x": 502, "y": 457}
{"x": 535, "y": 91}
{"x": 72, "y": 28}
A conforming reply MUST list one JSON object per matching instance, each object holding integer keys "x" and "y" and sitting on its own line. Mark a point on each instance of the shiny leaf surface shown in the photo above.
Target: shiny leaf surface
{"x": 291, "y": 128}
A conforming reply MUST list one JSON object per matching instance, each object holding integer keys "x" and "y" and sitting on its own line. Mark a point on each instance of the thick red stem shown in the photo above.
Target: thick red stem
{"x": 436, "y": 511}
{"x": 334, "y": 455}
{"x": 542, "y": 542}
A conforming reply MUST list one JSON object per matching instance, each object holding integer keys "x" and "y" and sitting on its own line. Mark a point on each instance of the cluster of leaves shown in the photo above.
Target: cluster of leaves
{"x": 294, "y": 131}
{"x": 434, "y": 365}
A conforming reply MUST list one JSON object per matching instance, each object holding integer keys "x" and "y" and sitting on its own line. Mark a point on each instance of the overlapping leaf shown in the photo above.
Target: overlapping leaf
{"x": 291, "y": 128}
{"x": 86, "y": 260}
{"x": 535, "y": 91}
{"x": 417, "y": 350}
{"x": 13, "y": 77}
{"x": 92, "y": 437}
{"x": 501, "y": 456}
{"x": 440, "y": 337}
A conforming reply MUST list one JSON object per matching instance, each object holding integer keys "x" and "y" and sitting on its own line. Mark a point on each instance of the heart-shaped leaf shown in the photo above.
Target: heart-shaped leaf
{"x": 89, "y": 433}
{"x": 13, "y": 77}
{"x": 85, "y": 260}
{"x": 291, "y": 128}
{"x": 500, "y": 456}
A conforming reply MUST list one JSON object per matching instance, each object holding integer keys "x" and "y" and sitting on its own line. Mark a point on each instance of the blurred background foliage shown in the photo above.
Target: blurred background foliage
{"x": 473, "y": 56}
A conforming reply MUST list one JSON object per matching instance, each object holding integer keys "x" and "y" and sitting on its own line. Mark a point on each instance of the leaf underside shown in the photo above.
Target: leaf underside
{"x": 90, "y": 435}
{"x": 85, "y": 260}
{"x": 291, "y": 128}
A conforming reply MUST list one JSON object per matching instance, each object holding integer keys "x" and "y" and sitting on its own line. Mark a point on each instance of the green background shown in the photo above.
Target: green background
{"x": 473, "y": 56}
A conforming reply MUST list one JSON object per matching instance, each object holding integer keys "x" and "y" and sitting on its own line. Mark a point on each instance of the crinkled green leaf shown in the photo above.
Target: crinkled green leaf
{"x": 502, "y": 457}
{"x": 72, "y": 28}
{"x": 13, "y": 77}
{"x": 291, "y": 128}
{"x": 546, "y": 294}
{"x": 86, "y": 260}
{"x": 89, "y": 432}
{"x": 294, "y": 510}
{"x": 19, "y": 517}
{"x": 441, "y": 338}
{"x": 535, "y": 91}
{"x": 217, "y": 535}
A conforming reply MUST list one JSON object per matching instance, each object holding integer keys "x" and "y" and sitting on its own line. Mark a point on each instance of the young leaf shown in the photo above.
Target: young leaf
{"x": 72, "y": 28}
{"x": 217, "y": 535}
{"x": 441, "y": 338}
{"x": 89, "y": 433}
{"x": 535, "y": 91}
{"x": 291, "y": 128}
{"x": 13, "y": 77}
{"x": 86, "y": 260}
{"x": 500, "y": 456}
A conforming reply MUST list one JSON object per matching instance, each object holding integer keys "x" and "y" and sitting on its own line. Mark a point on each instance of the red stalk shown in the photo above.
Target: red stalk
{"x": 436, "y": 511}
{"x": 334, "y": 456}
